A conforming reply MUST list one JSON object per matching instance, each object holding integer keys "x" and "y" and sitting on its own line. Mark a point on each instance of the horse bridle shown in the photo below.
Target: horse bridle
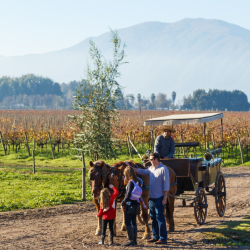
{"x": 121, "y": 188}
{"x": 96, "y": 168}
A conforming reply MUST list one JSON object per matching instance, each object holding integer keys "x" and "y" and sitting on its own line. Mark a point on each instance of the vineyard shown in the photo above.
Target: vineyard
{"x": 47, "y": 131}
{"x": 23, "y": 131}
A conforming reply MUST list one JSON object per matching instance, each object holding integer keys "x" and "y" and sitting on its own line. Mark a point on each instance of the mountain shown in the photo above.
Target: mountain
{"x": 163, "y": 57}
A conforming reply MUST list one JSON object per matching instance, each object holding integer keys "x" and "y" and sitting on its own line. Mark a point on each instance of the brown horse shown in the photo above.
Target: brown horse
{"x": 115, "y": 177}
{"x": 97, "y": 177}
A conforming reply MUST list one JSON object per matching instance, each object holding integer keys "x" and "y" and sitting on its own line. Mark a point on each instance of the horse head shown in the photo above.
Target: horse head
{"x": 116, "y": 178}
{"x": 96, "y": 176}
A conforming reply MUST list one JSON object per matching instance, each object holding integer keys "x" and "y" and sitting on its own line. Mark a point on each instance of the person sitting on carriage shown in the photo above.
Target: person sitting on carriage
{"x": 164, "y": 143}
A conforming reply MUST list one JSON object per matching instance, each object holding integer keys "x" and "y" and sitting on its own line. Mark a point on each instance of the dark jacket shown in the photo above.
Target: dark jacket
{"x": 164, "y": 146}
{"x": 129, "y": 190}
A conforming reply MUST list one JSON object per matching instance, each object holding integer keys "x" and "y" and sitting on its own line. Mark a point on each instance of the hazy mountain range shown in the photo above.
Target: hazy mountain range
{"x": 163, "y": 57}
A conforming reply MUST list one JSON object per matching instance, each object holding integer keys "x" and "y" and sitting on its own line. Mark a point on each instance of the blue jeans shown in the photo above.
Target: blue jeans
{"x": 159, "y": 228}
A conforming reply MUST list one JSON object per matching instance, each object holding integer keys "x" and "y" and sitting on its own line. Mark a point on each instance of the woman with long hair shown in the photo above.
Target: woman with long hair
{"x": 107, "y": 210}
{"x": 133, "y": 193}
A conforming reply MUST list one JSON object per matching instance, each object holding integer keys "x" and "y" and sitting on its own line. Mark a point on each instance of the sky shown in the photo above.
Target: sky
{"x": 40, "y": 26}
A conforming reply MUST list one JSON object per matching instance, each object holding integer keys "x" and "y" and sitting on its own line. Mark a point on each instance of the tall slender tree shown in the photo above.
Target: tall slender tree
{"x": 153, "y": 100}
{"x": 96, "y": 99}
{"x": 139, "y": 101}
{"x": 173, "y": 97}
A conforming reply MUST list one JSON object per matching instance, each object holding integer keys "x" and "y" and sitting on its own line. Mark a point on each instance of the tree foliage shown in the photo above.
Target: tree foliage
{"x": 96, "y": 99}
{"x": 173, "y": 96}
{"x": 153, "y": 100}
{"x": 217, "y": 100}
{"x": 161, "y": 101}
{"x": 28, "y": 85}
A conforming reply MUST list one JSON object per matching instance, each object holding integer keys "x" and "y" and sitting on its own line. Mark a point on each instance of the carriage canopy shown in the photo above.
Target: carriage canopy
{"x": 183, "y": 119}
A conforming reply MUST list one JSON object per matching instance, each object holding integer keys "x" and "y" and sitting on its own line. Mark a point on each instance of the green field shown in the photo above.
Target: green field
{"x": 23, "y": 191}
{"x": 67, "y": 158}
{"x": 57, "y": 181}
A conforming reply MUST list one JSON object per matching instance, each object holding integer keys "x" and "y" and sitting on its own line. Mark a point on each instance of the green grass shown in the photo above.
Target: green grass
{"x": 66, "y": 158}
{"x": 29, "y": 170}
{"x": 63, "y": 159}
{"x": 55, "y": 182}
{"x": 25, "y": 191}
{"x": 231, "y": 233}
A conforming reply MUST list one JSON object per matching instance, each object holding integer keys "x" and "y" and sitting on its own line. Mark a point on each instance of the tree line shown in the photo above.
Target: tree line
{"x": 37, "y": 92}
{"x": 215, "y": 99}
{"x": 28, "y": 85}
{"x": 159, "y": 101}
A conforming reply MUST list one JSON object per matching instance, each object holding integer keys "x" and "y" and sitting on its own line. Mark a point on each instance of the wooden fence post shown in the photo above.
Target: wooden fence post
{"x": 241, "y": 152}
{"x": 27, "y": 143}
{"x": 143, "y": 138}
{"x": 4, "y": 149}
{"x": 129, "y": 148}
{"x": 83, "y": 178}
{"x": 152, "y": 140}
{"x": 235, "y": 150}
{"x": 52, "y": 149}
{"x": 135, "y": 148}
{"x": 34, "y": 166}
{"x": 213, "y": 142}
{"x": 183, "y": 150}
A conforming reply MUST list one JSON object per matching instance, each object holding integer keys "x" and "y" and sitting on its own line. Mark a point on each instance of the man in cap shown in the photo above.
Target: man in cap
{"x": 164, "y": 143}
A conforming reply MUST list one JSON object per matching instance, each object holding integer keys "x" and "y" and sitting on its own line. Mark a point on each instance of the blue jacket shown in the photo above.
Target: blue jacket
{"x": 164, "y": 146}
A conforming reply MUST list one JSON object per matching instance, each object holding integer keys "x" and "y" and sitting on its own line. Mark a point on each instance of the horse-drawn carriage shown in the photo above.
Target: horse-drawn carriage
{"x": 199, "y": 174}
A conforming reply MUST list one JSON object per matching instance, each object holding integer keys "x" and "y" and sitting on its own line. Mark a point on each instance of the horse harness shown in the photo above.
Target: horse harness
{"x": 96, "y": 168}
{"x": 121, "y": 188}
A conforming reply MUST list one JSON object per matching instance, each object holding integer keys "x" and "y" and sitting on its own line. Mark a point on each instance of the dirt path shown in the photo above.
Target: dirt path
{"x": 73, "y": 226}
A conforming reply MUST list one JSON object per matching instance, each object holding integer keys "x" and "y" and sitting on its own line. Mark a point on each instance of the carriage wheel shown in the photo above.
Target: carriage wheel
{"x": 220, "y": 194}
{"x": 200, "y": 206}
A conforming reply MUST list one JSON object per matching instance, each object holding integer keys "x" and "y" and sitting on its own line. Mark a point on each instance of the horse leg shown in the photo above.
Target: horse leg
{"x": 123, "y": 227}
{"x": 147, "y": 233}
{"x": 167, "y": 213}
{"x": 99, "y": 225}
{"x": 114, "y": 225}
{"x": 145, "y": 216}
{"x": 170, "y": 213}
